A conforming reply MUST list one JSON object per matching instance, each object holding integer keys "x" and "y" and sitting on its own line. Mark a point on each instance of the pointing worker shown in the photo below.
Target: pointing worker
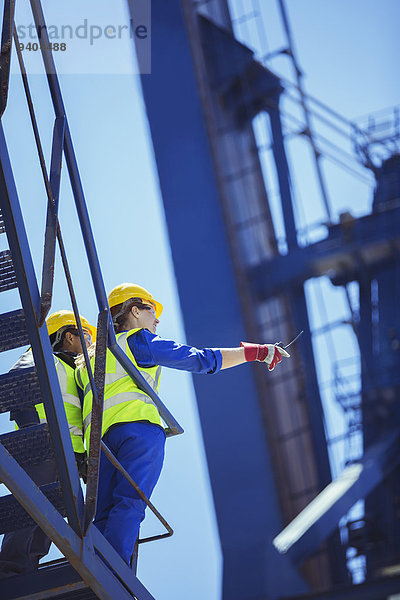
{"x": 132, "y": 427}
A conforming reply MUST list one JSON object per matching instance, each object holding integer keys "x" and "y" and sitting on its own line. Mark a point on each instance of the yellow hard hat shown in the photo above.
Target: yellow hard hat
{"x": 62, "y": 318}
{"x": 125, "y": 291}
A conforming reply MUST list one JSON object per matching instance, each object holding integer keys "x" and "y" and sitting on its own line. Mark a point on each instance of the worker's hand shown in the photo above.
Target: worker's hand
{"x": 274, "y": 356}
{"x": 269, "y": 353}
{"x": 81, "y": 463}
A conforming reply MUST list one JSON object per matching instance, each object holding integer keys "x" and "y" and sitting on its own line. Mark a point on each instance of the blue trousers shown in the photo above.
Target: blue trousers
{"x": 139, "y": 447}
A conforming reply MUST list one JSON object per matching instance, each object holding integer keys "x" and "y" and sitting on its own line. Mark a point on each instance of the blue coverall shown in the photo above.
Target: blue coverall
{"x": 139, "y": 446}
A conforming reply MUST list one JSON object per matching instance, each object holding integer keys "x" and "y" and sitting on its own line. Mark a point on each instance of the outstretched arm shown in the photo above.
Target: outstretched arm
{"x": 269, "y": 353}
{"x": 231, "y": 357}
{"x": 149, "y": 350}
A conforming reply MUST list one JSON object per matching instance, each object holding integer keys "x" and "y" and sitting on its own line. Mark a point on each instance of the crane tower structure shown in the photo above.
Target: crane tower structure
{"x": 285, "y": 512}
{"x": 266, "y": 437}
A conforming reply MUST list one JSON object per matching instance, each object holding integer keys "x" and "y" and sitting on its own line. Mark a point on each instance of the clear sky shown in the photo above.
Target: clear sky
{"x": 348, "y": 50}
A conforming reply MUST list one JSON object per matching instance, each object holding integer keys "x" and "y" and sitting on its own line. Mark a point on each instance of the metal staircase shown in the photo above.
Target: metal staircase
{"x": 91, "y": 568}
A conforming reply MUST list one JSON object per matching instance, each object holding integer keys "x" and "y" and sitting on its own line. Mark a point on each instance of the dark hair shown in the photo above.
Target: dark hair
{"x": 122, "y": 310}
{"x": 59, "y": 345}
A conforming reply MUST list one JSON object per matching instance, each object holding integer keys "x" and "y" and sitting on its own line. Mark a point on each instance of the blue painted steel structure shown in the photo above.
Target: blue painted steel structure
{"x": 203, "y": 93}
{"x": 217, "y": 303}
{"x": 367, "y": 250}
{"x": 320, "y": 518}
{"x": 204, "y": 86}
{"x": 379, "y": 336}
{"x": 247, "y": 507}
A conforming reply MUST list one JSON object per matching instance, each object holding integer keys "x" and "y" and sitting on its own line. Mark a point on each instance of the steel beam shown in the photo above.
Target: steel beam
{"x": 72, "y": 165}
{"x": 5, "y": 56}
{"x": 282, "y": 170}
{"x": 42, "y": 584}
{"x": 87, "y": 233}
{"x": 320, "y": 518}
{"x": 239, "y": 461}
{"x": 97, "y": 420}
{"x": 39, "y": 338}
{"x": 387, "y": 588}
{"x": 52, "y": 219}
{"x": 120, "y": 583}
{"x": 366, "y": 242}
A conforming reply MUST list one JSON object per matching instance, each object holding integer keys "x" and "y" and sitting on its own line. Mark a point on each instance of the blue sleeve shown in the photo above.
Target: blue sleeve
{"x": 149, "y": 350}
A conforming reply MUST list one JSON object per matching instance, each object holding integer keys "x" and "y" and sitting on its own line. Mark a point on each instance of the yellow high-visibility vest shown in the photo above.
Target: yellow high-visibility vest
{"x": 70, "y": 396}
{"x": 124, "y": 402}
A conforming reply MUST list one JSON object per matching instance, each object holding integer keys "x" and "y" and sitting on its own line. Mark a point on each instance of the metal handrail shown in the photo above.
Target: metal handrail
{"x": 125, "y": 473}
{"x": 51, "y": 221}
{"x": 50, "y": 200}
{"x": 62, "y": 143}
{"x": 5, "y": 55}
{"x": 173, "y": 427}
{"x": 97, "y": 420}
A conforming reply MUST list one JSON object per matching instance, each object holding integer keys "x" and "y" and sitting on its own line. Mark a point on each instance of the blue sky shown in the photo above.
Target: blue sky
{"x": 348, "y": 51}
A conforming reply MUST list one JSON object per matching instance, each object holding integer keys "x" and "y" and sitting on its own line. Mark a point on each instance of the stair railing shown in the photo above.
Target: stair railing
{"x": 62, "y": 146}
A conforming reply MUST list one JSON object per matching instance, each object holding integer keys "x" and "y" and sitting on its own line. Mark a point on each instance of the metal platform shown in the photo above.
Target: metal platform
{"x": 58, "y": 581}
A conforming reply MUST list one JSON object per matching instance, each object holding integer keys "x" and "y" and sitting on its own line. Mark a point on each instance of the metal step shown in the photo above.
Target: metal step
{"x": 2, "y": 226}
{"x": 13, "y": 516}
{"x": 13, "y": 333}
{"x": 82, "y": 594}
{"x": 29, "y": 446}
{"x": 8, "y": 278}
{"x": 18, "y": 389}
{"x": 60, "y": 582}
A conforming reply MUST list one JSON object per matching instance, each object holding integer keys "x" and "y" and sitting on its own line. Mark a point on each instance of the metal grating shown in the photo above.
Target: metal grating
{"x": 2, "y": 226}
{"x": 13, "y": 516}
{"x": 8, "y": 279}
{"x": 29, "y": 446}
{"x": 19, "y": 389}
{"x": 51, "y": 581}
{"x": 13, "y": 333}
{"x": 85, "y": 594}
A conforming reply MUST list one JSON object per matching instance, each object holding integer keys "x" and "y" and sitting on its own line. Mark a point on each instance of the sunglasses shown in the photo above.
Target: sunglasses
{"x": 86, "y": 333}
{"x": 147, "y": 307}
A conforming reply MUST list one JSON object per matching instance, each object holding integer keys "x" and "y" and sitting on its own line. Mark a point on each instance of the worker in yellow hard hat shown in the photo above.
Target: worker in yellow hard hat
{"x": 21, "y": 550}
{"x": 129, "y": 292}
{"x": 132, "y": 427}
{"x": 62, "y": 322}
{"x": 66, "y": 344}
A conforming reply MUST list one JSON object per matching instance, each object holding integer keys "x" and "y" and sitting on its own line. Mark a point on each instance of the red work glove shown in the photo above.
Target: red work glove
{"x": 269, "y": 353}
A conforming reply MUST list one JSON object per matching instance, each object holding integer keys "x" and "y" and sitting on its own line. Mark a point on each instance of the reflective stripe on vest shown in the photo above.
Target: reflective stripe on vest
{"x": 62, "y": 374}
{"x": 71, "y": 401}
{"x": 118, "y": 399}
{"x": 123, "y": 400}
{"x": 120, "y": 373}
